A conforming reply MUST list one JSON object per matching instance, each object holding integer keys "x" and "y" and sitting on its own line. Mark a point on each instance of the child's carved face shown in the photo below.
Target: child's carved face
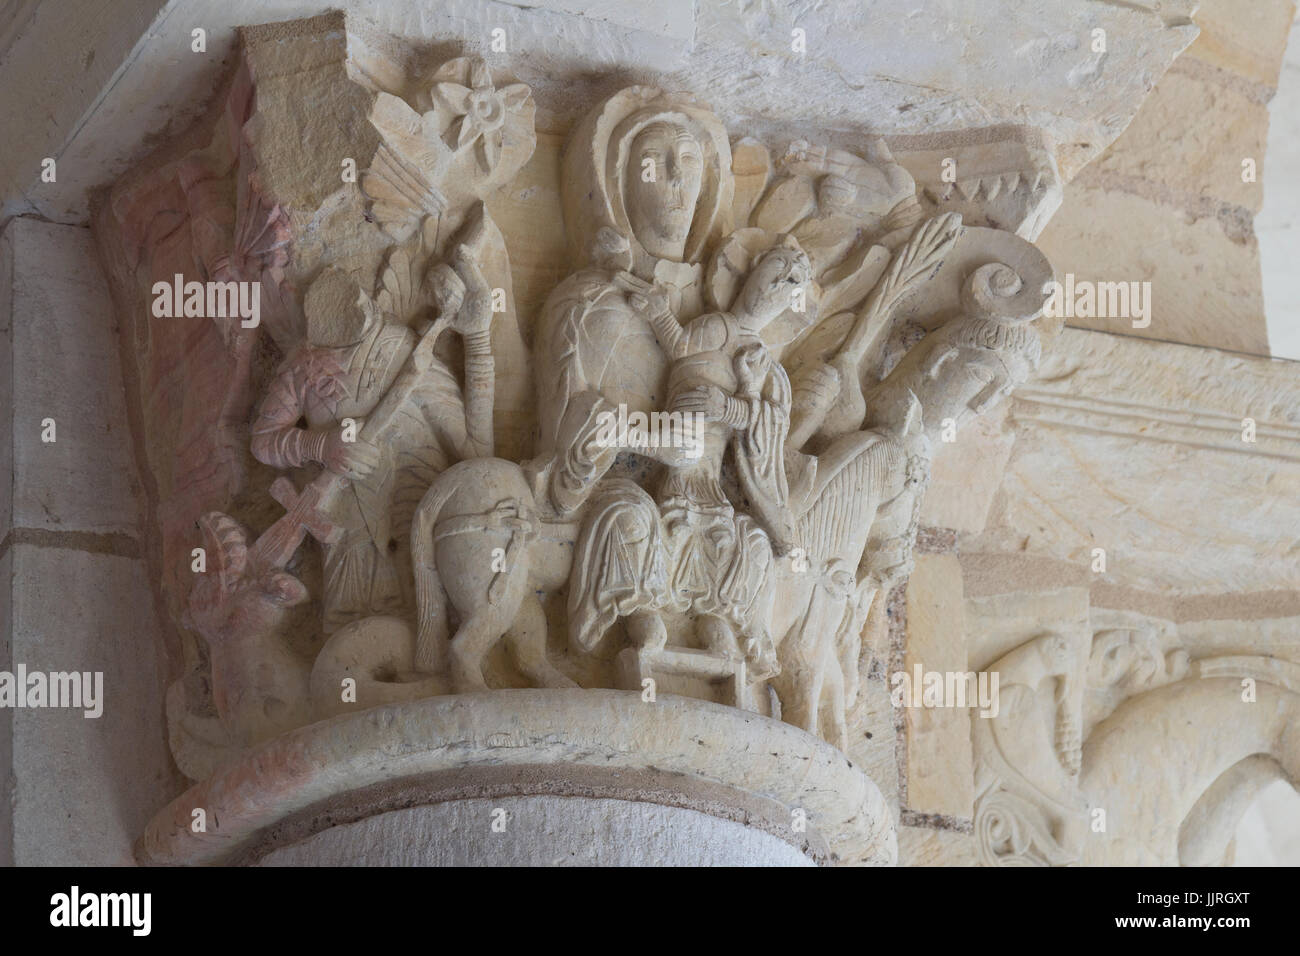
{"x": 772, "y": 284}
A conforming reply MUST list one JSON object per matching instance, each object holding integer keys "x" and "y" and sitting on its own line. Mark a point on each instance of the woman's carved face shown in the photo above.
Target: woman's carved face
{"x": 665, "y": 171}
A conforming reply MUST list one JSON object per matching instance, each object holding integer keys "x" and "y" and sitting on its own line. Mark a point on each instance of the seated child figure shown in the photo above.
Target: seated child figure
{"x": 724, "y": 376}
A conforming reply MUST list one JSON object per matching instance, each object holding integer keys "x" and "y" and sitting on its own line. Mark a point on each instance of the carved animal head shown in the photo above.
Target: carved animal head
{"x": 235, "y": 595}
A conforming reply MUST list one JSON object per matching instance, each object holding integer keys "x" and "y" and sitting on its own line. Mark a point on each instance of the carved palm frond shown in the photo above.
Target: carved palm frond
{"x": 401, "y": 179}
{"x": 916, "y": 263}
{"x": 400, "y": 195}
{"x": 262, "y": 233}
{"x": 400, "y": 293}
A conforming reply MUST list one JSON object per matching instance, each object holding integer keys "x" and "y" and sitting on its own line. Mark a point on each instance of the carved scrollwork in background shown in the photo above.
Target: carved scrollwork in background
{"x": 1029, "y": 810}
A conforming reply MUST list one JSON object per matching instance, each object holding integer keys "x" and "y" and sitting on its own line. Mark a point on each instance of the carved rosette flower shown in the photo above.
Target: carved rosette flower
{"x": 458, "y": 139}
{"x": 482, "y": 113}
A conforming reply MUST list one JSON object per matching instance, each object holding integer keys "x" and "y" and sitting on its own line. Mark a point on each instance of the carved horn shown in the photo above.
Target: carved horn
{"x": 225, "y": 541}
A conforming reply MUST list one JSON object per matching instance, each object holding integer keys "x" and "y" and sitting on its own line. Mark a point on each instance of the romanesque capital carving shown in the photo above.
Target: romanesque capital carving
{"x": 689, "y": 470}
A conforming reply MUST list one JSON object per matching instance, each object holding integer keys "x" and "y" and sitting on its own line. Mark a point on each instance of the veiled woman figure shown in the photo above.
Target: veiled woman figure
{"x": 647, "y": 187}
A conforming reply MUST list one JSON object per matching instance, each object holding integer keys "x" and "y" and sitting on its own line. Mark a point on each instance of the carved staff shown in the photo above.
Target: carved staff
{"x": 307, "y": 512}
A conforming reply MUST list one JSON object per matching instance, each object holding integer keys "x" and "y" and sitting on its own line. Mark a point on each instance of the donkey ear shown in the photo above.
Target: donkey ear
{"x": 284, "y": 589}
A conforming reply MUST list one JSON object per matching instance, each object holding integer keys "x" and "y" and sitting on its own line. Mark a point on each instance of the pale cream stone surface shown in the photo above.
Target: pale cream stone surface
{"x": 1205, "y": 286}
{"x": 83, "y": 788}
{"x": 1145, "y": 811}
{"x": 6, "y": 381}
{"x": 1278, "y": 224}
{"x": 1277, "y": 637}
{"x": 94, "y": 40}
{"x": 1247, "y": 39}
{"x": 1120, "y": 440}
{"x": 1029, "y": 808}
{"x": 1018, "y": 48}
{"x": 530, "y": 202}
{"x": 928, "y": 846}
{"x": 937, "y": 771}
{"x": 74, "y": 592}
{"x": 608, "y": 731}
{"x": 1177, "y": 177}
{"x": 6, "y": 715}
{"x": 63, "y": 334}
{"x": 1152, "y": 745}
{"x": 1267, "y": 834}
{"x": 873, "y": 738}
{"x": 1005, "y": 177}
{"x": 541, "y": 831}
{"x": 1190, "y": 137}
{"x": 1004, "y": 63}
{"x": 968, "y": 473}
{"x": 825, "y": 329}
{"x": 998, "y": 623}
{"x": 1114, "y": 445}
{"x": 1016, "y": 774}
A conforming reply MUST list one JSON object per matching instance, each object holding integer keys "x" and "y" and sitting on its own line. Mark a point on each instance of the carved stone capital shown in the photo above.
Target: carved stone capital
{"x": 417, "y": 511}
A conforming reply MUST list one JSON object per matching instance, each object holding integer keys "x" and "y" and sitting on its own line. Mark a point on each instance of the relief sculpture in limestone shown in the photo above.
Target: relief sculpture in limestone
{"x": 696, "y": 470}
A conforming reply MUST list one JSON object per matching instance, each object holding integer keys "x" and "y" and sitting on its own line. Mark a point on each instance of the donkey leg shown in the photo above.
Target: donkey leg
{"x": 474, "y": 638}
{"x": 833, "y": 692}
{"x": 718, "y": 636}
{"x": 527, "y": 641}
{"x": 794, "y": 690}
{"x": 813, "y": 724}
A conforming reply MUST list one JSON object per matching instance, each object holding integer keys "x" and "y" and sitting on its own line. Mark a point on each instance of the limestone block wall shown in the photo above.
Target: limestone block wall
{"x": 1278, "y": 225}
{"x": 74, "y": 590}
{"x": 1186, "y": 178}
